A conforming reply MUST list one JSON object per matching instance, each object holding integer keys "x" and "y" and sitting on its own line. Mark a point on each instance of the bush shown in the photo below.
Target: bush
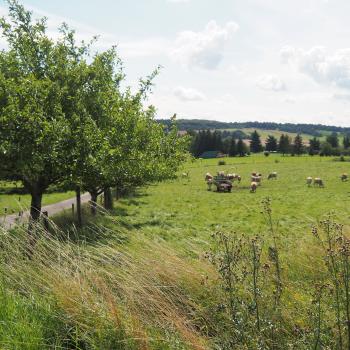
{"x": 266, "y": 153}
{"x": 342, "y": 159}
{"x": 221, "y": 162}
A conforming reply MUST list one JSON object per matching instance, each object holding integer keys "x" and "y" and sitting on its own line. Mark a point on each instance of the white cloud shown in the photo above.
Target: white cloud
{"x": 203, "y": 49}
{"x": 290, "y": 100}
{"x": 271, "y": 83}
{"x": 188, "y": 94}
{"x": 143, "y": 48}
{"x": 322, "y": 66}
{"x": 342, "y": 97}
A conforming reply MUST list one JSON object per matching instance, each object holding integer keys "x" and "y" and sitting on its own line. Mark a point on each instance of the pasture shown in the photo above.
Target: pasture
{"x": 277, "y": 133}
{"x": 132, "y": 266}
{"x": 185, "y": 209}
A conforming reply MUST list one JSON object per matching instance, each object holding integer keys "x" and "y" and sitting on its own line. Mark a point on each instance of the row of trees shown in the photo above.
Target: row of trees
{"x": 207, "y": 140}
{"x": 64, "y": 117}
{"x": 284, "y": 145}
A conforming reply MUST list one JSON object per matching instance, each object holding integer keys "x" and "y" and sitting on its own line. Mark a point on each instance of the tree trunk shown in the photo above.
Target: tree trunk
{"x": 93, "y": 195}
{"x": 35, "y": 206}
{"x": 116, "y": 193}
{"x": 35, "y": 212}
{"x": 108, "y": 199}
{"x": 79, "y": 216}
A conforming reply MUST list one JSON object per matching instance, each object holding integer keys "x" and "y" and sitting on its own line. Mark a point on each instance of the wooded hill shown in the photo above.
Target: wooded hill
{"x": 311, "y": 129}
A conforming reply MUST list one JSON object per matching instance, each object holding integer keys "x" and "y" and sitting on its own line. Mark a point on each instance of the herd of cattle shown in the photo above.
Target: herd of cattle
{"x": 223, "y": 182}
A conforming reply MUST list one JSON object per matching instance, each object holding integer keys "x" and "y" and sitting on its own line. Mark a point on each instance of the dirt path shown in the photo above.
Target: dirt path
{"x": 52, "y": 209}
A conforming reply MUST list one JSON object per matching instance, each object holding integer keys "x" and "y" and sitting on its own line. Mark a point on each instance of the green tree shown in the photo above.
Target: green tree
{"x": 35, "y": 130}
{"x": 284, "y": 144}
{"x": 255, "y": 142}
{"x": 326, "y": 149}
{"x": 346, "y": 141}
{"x": 314, "y": 146}
{"x": 298, "y": 146}
{"x": 233, "y": 148}
{"x": 333, "y": 140}
{"x": 241, "y": 148}
{"x": 217, "y": 141}
{"x": 124, "y": 147}
{"x": 271, "y": 144}
{"x": 64, "y": 118}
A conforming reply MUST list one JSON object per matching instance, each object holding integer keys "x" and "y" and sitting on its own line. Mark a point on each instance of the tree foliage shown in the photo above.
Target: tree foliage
{"x": 314, "y": 146}
{"x": 65, "y": 118}
{"x": 298, "y": 146}
{"x": 271, "y": 144}
{"x": 333, "y": 140}
{"x": 284, "y": 144}
{"x": 255, "y": 142}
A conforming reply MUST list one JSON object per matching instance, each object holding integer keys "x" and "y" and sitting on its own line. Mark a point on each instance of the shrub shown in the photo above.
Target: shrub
{"x": 266, "y": 153}
{"x": 221, "y": 162}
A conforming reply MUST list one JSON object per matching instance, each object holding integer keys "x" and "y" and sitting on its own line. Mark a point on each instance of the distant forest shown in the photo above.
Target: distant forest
{"x": 201, "y": 124}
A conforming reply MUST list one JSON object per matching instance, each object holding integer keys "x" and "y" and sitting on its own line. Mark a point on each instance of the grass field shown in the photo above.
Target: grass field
{"x": 265, "y": 133}
{"x": 139, "y": 279}
{"x": 277, "y": 133}
{"x": 184, "y": 208}
{"x": 13, "y": 200}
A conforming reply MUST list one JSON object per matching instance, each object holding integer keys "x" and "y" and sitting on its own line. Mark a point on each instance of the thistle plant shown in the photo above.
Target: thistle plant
{"x": 335, "y": 247}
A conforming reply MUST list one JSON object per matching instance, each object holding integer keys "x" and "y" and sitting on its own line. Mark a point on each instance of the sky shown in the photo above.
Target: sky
{"x": 227, "y": 60}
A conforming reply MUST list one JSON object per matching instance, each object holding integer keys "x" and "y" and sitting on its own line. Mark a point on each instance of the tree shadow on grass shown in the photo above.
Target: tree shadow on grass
{"x": 103, "y": 226}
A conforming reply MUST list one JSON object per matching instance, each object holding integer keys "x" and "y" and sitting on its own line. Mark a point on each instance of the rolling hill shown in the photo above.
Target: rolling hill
{"x": 266, "y": 128}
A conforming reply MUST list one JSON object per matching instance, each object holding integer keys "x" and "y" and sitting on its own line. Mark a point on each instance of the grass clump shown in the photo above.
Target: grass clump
{"x": 112, "y": 296}
{"x": 29, "y": 323}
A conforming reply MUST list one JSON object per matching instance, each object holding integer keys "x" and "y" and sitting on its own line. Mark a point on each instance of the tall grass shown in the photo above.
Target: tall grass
{"x": 109, "y": 296}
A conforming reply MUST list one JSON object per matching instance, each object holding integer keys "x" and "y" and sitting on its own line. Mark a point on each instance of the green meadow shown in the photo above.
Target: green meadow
{"x": 185, "y": 209}
{"x": 139, "y": 277}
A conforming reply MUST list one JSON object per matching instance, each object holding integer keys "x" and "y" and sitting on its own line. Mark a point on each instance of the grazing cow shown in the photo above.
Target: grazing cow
{"x": 318, "y": 182}
{"x": 256, "y": 179}
{"x": 208, "y": 176}
{"x": 309, "y": 181}
{"x": 221, "y": 173}
{"x": 253, "y": 187}
{"x": 234, "y": 177}
{"x": 272, "y": 176}
{"x": 210, "y": 184}
{"x": 344, "y": 177}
